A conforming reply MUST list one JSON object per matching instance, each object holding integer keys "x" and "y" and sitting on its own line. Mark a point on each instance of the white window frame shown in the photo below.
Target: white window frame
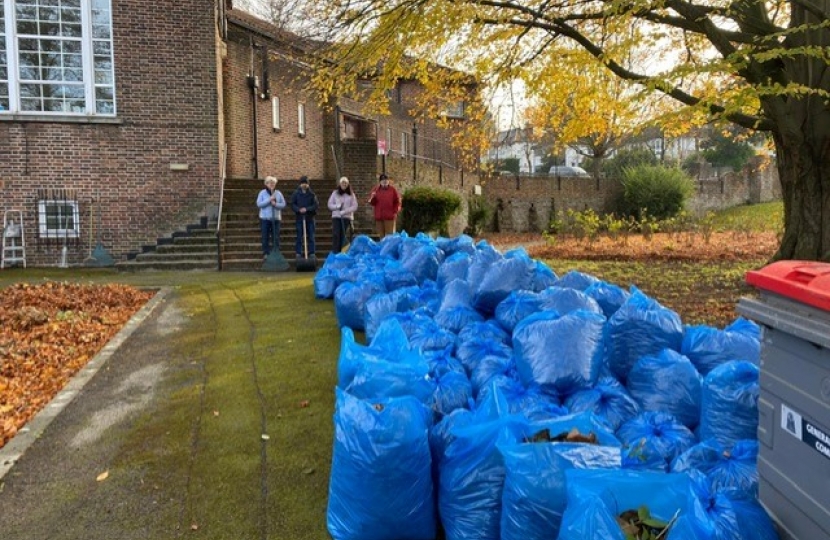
{"x": 301, "y": 119}
{"x": 83, "y": 90}
{"x": 455, "y": 109}
{"x": 404, "y": 143}
{"x": 58, "y": 232}
{"x": 276, "y": 121}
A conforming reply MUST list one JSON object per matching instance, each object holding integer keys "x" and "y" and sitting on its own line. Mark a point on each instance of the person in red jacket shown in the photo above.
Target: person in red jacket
{"x": 387, "y": 203}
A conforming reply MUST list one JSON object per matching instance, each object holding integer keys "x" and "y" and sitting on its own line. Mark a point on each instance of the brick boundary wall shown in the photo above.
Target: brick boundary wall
{"x": 528, "y": 203}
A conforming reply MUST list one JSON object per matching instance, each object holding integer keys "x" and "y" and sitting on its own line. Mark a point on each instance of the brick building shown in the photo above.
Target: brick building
{"x": 118, "y": 118}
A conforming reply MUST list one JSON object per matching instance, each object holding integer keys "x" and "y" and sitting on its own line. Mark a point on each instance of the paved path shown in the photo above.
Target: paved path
{"x": 186, "y": 429}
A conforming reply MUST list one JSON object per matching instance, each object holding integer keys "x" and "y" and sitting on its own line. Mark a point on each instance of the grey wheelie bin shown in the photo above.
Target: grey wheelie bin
{"x": 793, "y": 310}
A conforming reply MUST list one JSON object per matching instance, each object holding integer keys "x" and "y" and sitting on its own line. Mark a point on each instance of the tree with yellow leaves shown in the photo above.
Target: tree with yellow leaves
{"x": 760, "y": 65}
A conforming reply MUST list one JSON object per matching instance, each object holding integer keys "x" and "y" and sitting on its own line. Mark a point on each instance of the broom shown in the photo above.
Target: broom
{"x": 275, "y": 262}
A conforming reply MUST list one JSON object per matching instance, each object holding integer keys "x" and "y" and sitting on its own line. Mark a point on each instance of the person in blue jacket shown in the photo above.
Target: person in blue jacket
{"x": 304, "y": 203}
{"x": 270, "y": 203}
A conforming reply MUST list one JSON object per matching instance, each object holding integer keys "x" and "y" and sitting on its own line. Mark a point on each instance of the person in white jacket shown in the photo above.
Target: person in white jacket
{"x": 343, "y": 205}
{"x": 270, "y": 203}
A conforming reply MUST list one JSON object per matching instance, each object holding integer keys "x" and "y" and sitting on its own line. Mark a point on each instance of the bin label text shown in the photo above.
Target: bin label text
{"x": 805, "y": 431}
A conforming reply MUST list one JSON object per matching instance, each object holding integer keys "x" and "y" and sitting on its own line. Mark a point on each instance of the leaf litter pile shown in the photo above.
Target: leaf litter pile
{"x": 48, "y": 332}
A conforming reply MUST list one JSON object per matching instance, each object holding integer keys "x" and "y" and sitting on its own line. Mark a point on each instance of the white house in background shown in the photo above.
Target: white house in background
{"x": 520, "y": 143}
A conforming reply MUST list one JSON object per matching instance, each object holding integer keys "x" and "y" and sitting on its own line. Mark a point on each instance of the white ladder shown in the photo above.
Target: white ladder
{"x": 14, "y": 241}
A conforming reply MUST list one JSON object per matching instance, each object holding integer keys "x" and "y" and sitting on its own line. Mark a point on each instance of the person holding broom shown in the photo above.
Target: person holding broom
{"x": 343, "y": 205}
{"x": 270, "y": 203}
{"x": 305, "y": 204}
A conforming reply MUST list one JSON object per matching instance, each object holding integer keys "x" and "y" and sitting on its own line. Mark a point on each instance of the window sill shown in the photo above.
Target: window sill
{"x": 60, "y": 119}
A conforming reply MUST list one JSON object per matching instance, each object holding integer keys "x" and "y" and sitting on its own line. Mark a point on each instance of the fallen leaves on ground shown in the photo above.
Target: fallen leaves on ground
{"x": 48, "y": 332}
{"x": 701, "y": 278}
{"x": 716, "y": 246}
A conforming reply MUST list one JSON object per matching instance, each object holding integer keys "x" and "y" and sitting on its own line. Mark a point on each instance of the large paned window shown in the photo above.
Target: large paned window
{"x": 56, "y": 57}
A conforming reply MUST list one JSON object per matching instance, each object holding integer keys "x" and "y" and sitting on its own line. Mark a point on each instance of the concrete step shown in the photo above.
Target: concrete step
{"x": 139, "y": 266}
{"x": 176, "y": 256}
{"x": 186, "y": 248}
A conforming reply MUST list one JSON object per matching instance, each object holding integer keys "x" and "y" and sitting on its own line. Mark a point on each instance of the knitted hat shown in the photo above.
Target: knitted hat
{"x": 303, "y": 180}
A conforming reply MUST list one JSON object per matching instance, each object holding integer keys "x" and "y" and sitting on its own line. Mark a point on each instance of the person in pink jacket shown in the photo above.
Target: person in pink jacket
{"x": 342, "y": 204}
{"x": 387, "y": 202}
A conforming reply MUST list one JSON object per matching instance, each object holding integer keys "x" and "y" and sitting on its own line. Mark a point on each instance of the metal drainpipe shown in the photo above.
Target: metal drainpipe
{"x": 252, "y": 82}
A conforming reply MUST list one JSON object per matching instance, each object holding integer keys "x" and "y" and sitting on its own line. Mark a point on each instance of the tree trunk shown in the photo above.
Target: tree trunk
{"x": 804, "y": 173}
{"x": 802, "y": 142}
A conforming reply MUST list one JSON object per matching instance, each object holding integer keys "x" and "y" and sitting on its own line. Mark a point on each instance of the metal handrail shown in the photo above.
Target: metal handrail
{"x": 221, "y": 201}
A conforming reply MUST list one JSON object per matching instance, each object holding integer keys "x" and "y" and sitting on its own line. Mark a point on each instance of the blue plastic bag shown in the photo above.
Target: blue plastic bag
{"x": 530, "y": 402}
{"x": 610, "y": 297}
{"x": 517, "y": 306}
{"x": 362, "y": 244}
{"x": 489, "y": 367}
{"x": 502, "y": 278}
{"x": 729, "y": 404}
{"x": 534, "y": 496}
{"x": 381, "y": 448}
{"x": 560, "y": 354}
{"x": 708, "y": 347}
{"x": 382, "y": 379}
{"x": 543, "y": 277}
{"x": 423, "y": 262}
{"x": 456, "y": 318}
{"x": 608, "y": 399}
{"x": 564, "y": 300}
{"x": 454, "y": 267}
{"x": 452, "y": 391}
{"x": 576, "y": 280}
{"x": 472, "y": 351}
{"x": 732, "y": 516}
{"x": 432, "y": 337}
{"x": 640, "y": 327}
{"x": 597, "y": 497}
{"x": 472, "y": 477}
{"x": 654, "y": 434}
{"x": 460, "y": 244}
{"x": 487, "y": 330}
{"x": 732, "y": 470}
{"x": 325, "y": 282}
{"x": 395, "y": 276}
{"x": 350, "y": 302}
{"x": 667, "y": 382}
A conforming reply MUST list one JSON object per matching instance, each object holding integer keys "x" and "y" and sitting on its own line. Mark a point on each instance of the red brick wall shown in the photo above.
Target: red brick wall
{"x": 284, "y": 153}
{"x": 166, "y": 92}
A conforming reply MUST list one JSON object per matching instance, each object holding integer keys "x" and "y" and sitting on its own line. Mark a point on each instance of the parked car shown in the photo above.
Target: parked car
{"x": 562, "y": 170}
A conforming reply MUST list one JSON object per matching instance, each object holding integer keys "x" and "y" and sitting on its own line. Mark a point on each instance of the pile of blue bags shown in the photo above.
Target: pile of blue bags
{"x": 494, "y": 399}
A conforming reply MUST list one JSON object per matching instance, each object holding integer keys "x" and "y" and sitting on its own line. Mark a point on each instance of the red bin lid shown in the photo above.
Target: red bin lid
{"x": 805, "y": 281}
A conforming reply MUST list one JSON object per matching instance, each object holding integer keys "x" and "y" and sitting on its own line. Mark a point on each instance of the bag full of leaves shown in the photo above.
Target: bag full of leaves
{"x": 599, "y": 499}
{"x": 534, "y": 496}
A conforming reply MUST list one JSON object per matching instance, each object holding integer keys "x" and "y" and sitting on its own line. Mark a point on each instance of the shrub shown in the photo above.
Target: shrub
{"x": 723, "y": 151}
{"x": 478, "y": 215}
{"x": 655, "y": 190}
{"x": 509, "y": 164}
{"x": 428, "y": 209}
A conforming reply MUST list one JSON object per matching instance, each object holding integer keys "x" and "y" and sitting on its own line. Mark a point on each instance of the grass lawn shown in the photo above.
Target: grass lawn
{"x": 246, "y": 433}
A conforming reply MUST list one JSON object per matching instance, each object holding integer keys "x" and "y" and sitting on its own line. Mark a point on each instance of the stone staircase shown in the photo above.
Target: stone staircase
{"x": 191, "y": 249}
{"x": 197, "y": 248}
{"x": 240, "y": 237}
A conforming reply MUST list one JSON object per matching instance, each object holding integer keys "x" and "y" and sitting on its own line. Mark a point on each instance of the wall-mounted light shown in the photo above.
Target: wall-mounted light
{"x": 179, "y": 166}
